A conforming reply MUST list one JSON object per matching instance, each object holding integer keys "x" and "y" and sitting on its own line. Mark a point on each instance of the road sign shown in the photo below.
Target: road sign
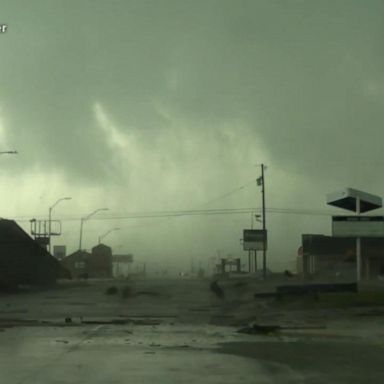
{"x": 254, "y": 239}
{"x": 358, "y": 226}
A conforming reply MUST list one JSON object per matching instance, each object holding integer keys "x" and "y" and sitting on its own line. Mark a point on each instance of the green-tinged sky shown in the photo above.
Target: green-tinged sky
{"x": 154, "y": 105}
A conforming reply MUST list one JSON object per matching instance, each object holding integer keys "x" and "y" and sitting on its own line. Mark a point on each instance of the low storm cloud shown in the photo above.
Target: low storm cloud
{"x": 167, "y": 105}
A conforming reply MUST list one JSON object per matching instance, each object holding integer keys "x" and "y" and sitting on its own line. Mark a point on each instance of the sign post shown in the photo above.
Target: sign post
{"x": 254, "y": 239}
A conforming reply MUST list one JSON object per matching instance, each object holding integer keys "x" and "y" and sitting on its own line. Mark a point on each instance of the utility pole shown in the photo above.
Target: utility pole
{"x": 261, "y": 182}
{"x": 264, "y": 223}
{"x": 358, "y": 244}
{"x": 249, "y": 251}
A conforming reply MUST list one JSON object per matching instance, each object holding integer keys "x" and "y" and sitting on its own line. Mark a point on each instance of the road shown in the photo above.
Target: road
{"x": 176, "y": 331}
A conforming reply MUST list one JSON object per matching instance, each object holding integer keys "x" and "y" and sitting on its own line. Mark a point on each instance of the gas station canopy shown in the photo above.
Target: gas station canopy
{"x": 347, "y": 198}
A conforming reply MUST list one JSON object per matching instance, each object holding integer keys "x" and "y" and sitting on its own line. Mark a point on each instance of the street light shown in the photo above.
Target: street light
{"x": 85, "y": 218}
{"x": 50, "y": 219}
{"x": 107, "y": 233}
{"x": 255, "y": 217}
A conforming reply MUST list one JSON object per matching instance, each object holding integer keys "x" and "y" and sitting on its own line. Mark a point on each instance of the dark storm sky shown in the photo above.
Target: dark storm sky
{"x": 165, "y": 105}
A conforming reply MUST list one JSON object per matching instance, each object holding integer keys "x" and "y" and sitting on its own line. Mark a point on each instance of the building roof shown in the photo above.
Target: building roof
{"x": 22, "y": 259}
{"x": 79, "y": 254}
{"x": 101, "y": 246}
{"x": 347, "y": 198}
{"x": 11, "y": 232}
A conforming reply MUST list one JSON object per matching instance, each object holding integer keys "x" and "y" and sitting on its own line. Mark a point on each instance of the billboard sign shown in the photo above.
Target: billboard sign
{"x": 358, "y": 226}
{"x": 254, "y": 239}
{"x": 59, "y": 251}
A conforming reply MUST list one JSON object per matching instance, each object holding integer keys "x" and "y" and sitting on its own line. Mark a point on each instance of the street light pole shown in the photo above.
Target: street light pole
{"x": 85, "y": 218}
{"x": 107, "y": 233}
{"x": 50, "y": 219}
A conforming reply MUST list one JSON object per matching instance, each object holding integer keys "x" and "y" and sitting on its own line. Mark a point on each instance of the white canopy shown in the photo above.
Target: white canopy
{"x": 348, "y": 198}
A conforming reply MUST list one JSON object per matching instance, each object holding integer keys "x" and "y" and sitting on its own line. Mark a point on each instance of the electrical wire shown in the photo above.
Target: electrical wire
{"x": 193, "y": 212}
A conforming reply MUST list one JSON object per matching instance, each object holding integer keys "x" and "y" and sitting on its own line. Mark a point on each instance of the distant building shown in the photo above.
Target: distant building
{"x": 230, "y": 263}
{"x": 23, "y": 261}
{"x": 77, "y": 264}
{"x": 100, "y": 262}
{"x": 121, "y": 265}
{"x": 97, "y": 264}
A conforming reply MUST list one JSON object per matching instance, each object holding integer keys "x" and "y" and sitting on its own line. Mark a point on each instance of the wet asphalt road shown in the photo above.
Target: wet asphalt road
{"x": 170, "y": 331}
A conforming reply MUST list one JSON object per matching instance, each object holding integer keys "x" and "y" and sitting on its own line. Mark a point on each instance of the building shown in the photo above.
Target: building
{"x": 77, "y": 264}
{"x": 97, "y": 264}
{"x": 23, "y": 261}
{"x": 330, "y": 256}
{"x": 100, "y": 262}
{"x": 121, "y": 265}
{"x": 229, "y": 263}
{"x": 355, "y": 250}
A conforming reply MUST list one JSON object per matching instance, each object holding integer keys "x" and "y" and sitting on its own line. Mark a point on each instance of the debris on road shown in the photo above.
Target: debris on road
{"x": 312, "y": 290}
{"x": 126, "y": 291}
{"x": 111, "y": 290}
{"x": 216, "y": 289}
{"x": 256, "y": 329}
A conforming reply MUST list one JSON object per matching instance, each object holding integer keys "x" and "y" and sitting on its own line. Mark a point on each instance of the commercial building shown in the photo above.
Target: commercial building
{"x": 336, "y": 256}
{"x": 356, "y": 248}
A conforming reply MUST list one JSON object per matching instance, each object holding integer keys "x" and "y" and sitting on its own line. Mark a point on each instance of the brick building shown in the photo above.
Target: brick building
{"x": 97, "y": 264}
{"x": 77, "y": 264}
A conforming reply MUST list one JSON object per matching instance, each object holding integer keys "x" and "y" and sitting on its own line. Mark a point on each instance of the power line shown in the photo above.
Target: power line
{"x": 208, "y": 203}
{"x": 300, "y": 211}
{"x": 192, "y": 212}
{"x": 227, "y": 194}
{"x": 166, "y": 214}
{"x": 157, "y": 214}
